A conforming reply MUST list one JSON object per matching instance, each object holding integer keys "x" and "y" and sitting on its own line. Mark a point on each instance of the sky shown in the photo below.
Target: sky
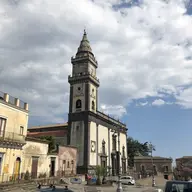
{"x": 144, "y": 53}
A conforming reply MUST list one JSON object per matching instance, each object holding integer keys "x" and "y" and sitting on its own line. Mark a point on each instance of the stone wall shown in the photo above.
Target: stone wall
{"x": 67, "y": 159}
{"x": 161, "y": 165}
{"x": 39, "y": 150}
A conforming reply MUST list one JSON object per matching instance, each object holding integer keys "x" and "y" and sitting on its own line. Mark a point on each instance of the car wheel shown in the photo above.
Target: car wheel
{"x": 129, "y": 183}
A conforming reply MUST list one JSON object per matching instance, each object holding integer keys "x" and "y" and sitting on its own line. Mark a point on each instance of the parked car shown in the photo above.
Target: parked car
{"x": 127, "y": 180}
{"x": 178, "y": 186}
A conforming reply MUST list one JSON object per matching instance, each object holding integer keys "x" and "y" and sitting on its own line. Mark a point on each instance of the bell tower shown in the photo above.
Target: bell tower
{"x": 83, "y": 100}
{"x": 83, "y": 81}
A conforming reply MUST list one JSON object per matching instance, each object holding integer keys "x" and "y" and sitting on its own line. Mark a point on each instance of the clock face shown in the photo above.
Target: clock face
{"x": 92, "y": 146}
{"x": 79, "y": 88}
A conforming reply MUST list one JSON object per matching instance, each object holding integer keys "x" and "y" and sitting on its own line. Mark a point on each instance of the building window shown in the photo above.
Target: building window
{"x": 21, "y": 130}
{"x": 103, "y": 146}
{"x": 68, "y": 166}
{"x": 166, "y": 169}
{"x": 1, "y": 161}
{"x": 103, "y": 163}
{"x": 142, "y": 169}
{"x": 2, "y": 126}
{"x": 93, "y": 105}
{"x": 78, "y": 104}
{"x": 154, "y": 169}
{"x": 123, "y": 149}
{"x": 123, "y": 167}
{"x": 114, "y": 142}
{"x": 64, "y": 161}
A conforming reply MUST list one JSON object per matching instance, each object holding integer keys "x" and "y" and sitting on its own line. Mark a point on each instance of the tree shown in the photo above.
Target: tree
{"x": 135, "y": 147}
{"x": 51, "y": 141}
{"x": 100, "y": 171}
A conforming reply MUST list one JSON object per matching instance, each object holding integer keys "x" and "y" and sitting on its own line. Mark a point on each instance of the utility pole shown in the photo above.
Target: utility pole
{"x": 151, "y": 148}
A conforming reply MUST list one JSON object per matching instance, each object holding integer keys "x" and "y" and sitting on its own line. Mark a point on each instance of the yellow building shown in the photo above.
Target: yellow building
{"x": 13, "y": 130}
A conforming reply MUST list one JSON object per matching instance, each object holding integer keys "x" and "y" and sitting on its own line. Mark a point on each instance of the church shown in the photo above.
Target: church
{"x": 98, "y": 137}
{"x": 94, "y": 133}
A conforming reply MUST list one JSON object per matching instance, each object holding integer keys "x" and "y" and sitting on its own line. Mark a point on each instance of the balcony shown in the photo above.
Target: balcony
{"x": 83, "y": 76}
{"x": 12, "y": 137}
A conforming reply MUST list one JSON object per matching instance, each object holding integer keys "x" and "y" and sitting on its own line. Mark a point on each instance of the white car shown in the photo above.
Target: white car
{"x": 127, "y": 180}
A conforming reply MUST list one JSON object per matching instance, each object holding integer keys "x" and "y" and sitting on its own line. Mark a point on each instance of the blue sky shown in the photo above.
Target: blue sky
{"x": 168, "y": 127}
{"x": 143, "y": 49}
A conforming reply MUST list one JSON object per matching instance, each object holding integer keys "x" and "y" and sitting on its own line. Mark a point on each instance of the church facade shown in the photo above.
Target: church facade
{"x": 96, "y": 135}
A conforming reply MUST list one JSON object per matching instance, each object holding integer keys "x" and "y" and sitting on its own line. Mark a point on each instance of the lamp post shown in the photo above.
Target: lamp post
{"x": 151, "y": 148}
{"x": 119, "y": 186}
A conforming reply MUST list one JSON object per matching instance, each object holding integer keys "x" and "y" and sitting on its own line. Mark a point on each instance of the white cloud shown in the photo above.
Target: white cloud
{"x": 117, "y": 111}
{"x": 158, "y": 102}
{"x": 142, "y": 104}
{"x": 185, "y": 98}
{"x": 140, "y": 52}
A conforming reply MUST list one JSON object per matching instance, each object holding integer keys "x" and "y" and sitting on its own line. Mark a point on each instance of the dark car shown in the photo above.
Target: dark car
{"x": 178, "y": 186}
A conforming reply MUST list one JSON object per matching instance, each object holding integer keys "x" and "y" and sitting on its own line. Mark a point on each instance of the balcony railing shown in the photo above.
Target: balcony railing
{"x": 111, "y": 119}
{"x": 12, "y": 137}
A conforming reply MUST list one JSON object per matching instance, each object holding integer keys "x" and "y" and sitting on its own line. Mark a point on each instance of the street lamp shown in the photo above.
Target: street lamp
{"x": 119, "y": 184}
{"x": 151, "y": 148}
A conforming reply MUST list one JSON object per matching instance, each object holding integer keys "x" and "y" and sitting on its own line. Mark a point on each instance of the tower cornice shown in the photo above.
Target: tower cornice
{"x": 77, "y": 60}
{"x": 85, "y": 77}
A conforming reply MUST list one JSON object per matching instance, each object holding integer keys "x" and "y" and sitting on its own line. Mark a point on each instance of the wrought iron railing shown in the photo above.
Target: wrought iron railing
{"x": 11, "y": 136}
{"x": 111, "y": 119}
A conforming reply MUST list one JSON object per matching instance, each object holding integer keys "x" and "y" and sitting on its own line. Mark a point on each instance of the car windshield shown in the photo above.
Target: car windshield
{"x": 179, "y": 187}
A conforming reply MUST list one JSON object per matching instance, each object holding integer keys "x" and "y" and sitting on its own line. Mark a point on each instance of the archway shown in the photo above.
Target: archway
{"x": 17, "y": 168}
{"x": 143, "y": 171}
{"x": 154, "y": 170}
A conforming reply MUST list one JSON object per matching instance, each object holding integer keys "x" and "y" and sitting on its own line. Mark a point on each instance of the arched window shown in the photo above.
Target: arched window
{"x": 103, "y": 146}
{"x": 123, "y": 149}
{"x": 142, "y": 168}
{"x": 166, "y": 169}
{"x": 93, "y": 105}
{"x": 114, "y": 142}
{"x": 78, "y": 104}
{"x": 154, "y": 170}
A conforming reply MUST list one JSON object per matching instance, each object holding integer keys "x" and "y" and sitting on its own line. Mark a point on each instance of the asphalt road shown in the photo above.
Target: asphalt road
{"x": 80, "y": 188}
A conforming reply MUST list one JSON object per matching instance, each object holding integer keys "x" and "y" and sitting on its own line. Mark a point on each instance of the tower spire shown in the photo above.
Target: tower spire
{"x": 84, "y": 45}
{"x": 85, "y": 31}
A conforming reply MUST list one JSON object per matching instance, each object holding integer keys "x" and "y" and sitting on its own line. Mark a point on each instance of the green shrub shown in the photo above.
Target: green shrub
{"x": 27, "y": 175}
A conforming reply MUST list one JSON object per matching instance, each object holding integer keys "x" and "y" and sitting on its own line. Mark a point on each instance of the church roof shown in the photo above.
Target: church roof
{"x": 149, "y": 157}
{"x": 84, "y": 45}
{"x": 48, "y": 126}
{"x": 58, "y": 133}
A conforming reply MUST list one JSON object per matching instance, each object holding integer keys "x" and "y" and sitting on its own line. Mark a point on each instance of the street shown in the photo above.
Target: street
{"x": 82, "y": 188}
